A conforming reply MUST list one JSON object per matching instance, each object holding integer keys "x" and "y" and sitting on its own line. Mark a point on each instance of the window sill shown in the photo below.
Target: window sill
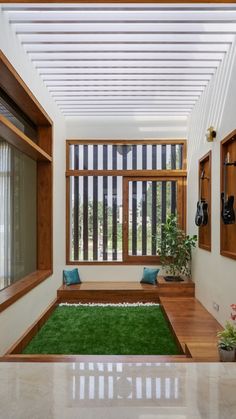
{"x": 11, "y": 294}
{"x": 155, "y": 261}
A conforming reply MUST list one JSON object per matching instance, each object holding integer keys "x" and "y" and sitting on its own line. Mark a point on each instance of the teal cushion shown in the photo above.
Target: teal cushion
{"x": 149, "y": 276}
{"x": 71, "y": 277}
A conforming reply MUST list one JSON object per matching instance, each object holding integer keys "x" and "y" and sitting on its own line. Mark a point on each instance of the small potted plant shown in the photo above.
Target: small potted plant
{"x": 227, "y": 343}
{"x": 175, "y": 250}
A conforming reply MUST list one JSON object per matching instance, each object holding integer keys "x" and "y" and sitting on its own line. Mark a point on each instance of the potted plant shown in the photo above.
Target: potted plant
{"x": 227, "y": 343}
{"x": 175, "y": 250}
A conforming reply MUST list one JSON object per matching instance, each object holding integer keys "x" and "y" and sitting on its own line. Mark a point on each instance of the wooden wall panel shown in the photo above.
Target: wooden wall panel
{"x": 228, "y": 232}
{"x": 44, "y": 208}
{"x": 204, "y": 234}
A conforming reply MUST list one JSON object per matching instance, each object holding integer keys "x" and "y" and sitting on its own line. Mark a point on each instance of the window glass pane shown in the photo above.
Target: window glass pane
{"x": 15, "y": 115}
{"x": 149, "y": 204}
{"x": 96, "y": 218}
{"x": 17, "y": 215}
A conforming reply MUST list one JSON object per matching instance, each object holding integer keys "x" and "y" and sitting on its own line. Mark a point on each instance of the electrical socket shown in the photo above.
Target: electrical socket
{"x": 216, "y": 306}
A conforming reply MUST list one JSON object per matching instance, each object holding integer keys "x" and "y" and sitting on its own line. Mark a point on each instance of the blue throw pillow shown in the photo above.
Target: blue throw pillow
{"x": 149, "y": 276}
{"x": 71, "y": 277}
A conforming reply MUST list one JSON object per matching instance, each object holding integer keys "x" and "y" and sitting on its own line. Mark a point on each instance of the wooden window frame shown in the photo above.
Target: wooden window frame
{"x": 180, "y": 211}
{"x": 19, "y": 92}
{"x": 177, "y": 175}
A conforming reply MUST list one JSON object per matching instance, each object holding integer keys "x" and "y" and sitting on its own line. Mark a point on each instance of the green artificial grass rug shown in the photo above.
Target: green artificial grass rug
{"x": 105, "y": 330}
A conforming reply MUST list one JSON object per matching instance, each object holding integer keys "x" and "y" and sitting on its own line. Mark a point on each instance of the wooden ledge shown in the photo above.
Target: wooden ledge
{"x": 115, "y": 286}
{"x": 18, "y": 139}
{"x": 15, "y": 291}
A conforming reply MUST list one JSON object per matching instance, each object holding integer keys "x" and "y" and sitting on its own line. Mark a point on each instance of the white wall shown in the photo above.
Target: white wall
{"x": 138, "y": 128}
{"x": 19, "y": 316}
{"x": 214, "y": 275}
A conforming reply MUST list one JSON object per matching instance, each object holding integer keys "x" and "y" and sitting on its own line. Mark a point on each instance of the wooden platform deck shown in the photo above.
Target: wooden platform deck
{"x": 121, "y": 292}
{"x": 194, "y": 327}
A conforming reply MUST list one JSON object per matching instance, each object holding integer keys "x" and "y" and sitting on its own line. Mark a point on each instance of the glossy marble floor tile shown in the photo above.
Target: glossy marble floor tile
{"x": 96, "y": 390}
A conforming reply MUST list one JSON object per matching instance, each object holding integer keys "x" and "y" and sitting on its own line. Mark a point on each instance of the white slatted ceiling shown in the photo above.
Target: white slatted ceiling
{"x": 106, "y": 59}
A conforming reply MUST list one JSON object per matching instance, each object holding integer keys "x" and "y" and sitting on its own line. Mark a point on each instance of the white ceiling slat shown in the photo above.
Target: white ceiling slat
{"x": 102, "y": 98}
{"x": 131, "y": 105}
{"x": 166, "y": 78}
{"x": 143, "y": 56}
{"x": 129, "y": 88}
{"x": 125, "y": 60}
{"x": 122, "y": 83}
{"x": 55, "y": 47}
{"x": 120, "y": 38}
{"x": 129, "y": 63}
{"x": 128, "y": 71}
{"x": 125, "y": 28}
{"x": 149, "y": 15}
{"x": 86, "y": 102}
{"x": 102, "y": 8}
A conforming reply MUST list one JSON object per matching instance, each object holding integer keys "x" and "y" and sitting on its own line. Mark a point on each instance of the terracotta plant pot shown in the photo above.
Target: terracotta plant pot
{"x": 227, "y": 356}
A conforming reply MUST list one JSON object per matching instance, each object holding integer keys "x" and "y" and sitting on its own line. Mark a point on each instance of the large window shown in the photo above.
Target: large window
{"x": 25, "y": 188}
{"x": 17, "y": 215}
{"x": 118, "y": 195}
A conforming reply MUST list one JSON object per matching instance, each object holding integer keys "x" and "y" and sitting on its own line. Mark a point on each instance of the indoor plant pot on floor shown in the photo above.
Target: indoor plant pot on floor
{"x": 227, "y": 343}
{"x": 175, "y": 250}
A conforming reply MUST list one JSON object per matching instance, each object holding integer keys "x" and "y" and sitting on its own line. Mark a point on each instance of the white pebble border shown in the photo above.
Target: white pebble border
{"x": 108, "y": 304}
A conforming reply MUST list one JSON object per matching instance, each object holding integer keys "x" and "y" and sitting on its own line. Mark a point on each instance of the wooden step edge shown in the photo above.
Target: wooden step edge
{"x": 95, "y": 358}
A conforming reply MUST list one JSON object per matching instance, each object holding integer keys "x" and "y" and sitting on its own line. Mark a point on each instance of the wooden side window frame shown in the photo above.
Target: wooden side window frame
{"x": 180, "y": 176}
{"x": 19, "y": 92}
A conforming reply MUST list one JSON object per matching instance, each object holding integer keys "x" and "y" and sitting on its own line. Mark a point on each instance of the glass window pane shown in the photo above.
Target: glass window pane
{"x": 96, "y": 218}
{"x": 18, "y": 201}
{"x": 149, "y": 203}
{"x": 14, "y": 114}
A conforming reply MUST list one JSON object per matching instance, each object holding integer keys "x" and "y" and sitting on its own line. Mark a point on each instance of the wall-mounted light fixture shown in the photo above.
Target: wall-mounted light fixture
{"x": 210, "y": 134}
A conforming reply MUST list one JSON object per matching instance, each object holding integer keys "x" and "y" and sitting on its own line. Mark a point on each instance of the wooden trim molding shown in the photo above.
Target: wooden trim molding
{"x": 126, "y": 142}
{"x": 18, "y": 91}
{"x": 121, "y": 1}
{"x": 18, "y": 139}
{"x": 138, "y": 173}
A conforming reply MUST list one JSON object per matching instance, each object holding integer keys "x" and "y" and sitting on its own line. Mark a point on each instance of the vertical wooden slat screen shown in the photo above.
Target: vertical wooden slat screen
{"x": 95, "y": 204}
{"x": 114, "y": 204}
{"x": 163, "y": 185}
{"x": 173, "y": 184}
{"x": 154, "y": 202}
{"x": 134, "y": 203}
{"x": 144, "y": 202}
{"x": 105, "y": 204}
{"x": 76, "y": 205}
{"x": 124, "y": 160}
{"x": 85, "y": 206}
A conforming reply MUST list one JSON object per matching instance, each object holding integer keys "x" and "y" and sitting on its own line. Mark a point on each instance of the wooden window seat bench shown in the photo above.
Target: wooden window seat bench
{"x": 121, "y": 292}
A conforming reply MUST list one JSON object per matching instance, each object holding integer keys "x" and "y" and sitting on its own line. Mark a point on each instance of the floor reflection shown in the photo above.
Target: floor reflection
{"x": 105, "y": 382}
{"x": 100, "y": 390}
